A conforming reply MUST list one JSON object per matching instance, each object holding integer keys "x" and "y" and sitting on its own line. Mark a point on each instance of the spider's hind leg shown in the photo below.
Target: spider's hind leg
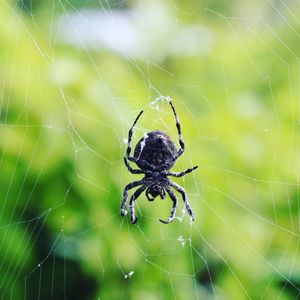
{"x": 130, "y": 133}
{"x": 181, "y": 142}
{"x": 130, "y": 169}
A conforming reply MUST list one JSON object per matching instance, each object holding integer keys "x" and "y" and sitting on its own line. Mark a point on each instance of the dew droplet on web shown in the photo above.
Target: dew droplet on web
{"x": 129, "y": 274}
{"x": 181, "y": 240}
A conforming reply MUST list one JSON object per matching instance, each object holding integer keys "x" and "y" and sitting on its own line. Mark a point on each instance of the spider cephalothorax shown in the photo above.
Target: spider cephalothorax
{"x": 155, "y": 154}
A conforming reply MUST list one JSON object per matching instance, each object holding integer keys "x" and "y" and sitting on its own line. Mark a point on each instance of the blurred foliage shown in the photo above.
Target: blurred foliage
{"x": 64, "y": 114}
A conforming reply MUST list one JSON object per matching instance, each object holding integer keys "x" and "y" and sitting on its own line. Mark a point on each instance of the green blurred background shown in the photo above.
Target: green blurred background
{"x": 74, "y": 75}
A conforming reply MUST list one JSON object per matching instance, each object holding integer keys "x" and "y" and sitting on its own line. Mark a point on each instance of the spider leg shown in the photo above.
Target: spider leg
{"x": 174, "y": 199}
{"x": 175, "y": 174}
{"x": 181, "y": 143}
{"x": 135, "y": 195}
{"x": 163, "y": 194}
{"x": 181, "y": 190}
{"x": 130, "y": 133}
{"x": 125, "y": 194}
{"x": 148, "y": 195}
{"x": 128, "y": 150}
{"x": 130, "y": 169}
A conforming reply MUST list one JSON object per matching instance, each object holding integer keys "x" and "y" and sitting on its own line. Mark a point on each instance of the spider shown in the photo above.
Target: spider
{"x": 155, "y": 154}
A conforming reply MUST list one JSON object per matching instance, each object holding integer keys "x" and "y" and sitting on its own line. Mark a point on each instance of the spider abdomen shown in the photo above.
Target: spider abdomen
{"x": 157, "y": 149}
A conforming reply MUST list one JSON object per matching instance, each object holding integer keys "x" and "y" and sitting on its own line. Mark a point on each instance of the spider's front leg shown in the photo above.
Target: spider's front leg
{"x": 173, "y": 211}
{"x": 179, "y": 189}
{"x": 135, "y": 195}
{"x": 125, "y": 195}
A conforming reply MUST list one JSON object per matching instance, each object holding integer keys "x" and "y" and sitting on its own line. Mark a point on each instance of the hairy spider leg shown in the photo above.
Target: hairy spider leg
{"x": 125, "y": 195}
{"x": 179, "y": 189}
{"x": 130, "y": 133}
{"x": 148, "y": 195}
{"x": 135, "y": 195}
{"x": 175, "y": 202}
{"x": 163, "y": 194}
{"x": 181, "y": 143}
{"x": 175, "y": 174}
{"x": 130, "y": 169}
{"x": 128, "y": 150}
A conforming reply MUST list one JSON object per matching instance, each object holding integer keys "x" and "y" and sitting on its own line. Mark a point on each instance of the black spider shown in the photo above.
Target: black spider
{"x": 155, "y": 154}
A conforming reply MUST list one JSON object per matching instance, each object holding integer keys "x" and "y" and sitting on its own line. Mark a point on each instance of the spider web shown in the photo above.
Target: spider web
{"x": 75, "y": 74}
